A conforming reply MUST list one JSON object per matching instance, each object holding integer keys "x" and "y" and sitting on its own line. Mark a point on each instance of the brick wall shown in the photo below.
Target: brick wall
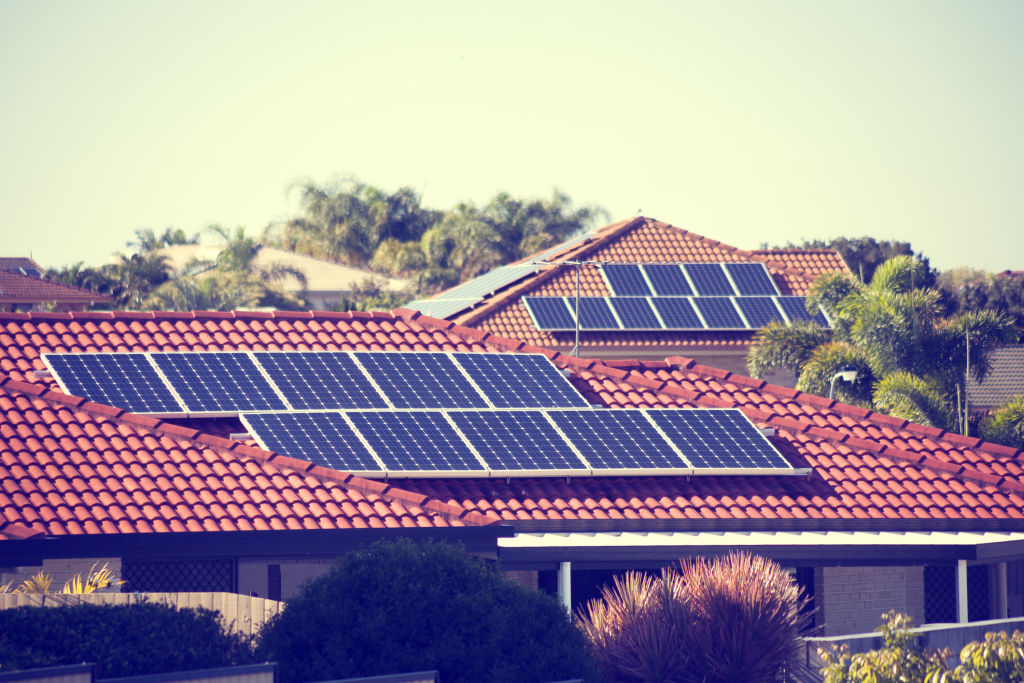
{"x": 254, "y": 574}
{"x": 853, "y": 599}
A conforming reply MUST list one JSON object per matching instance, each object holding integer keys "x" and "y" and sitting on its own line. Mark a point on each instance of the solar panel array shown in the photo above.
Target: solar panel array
{"x": 689, "y": 279}
{"x": 534, "y": 442}
{"x": 229, "y": 382}
{"x": 611, "y": 313}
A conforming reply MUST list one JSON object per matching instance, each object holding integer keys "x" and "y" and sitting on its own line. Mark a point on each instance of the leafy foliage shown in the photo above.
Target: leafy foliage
{"x": 735, "y": 618}
{"x": 1006, "y": 425}
{"x": 900, "y": 660}
{"x": 95, "y": 580}
{"x": 395, "y": 607}
{"x": 1003, "y": 293}
{"x": 123, "y": 640}
{"x": 864, "y": 254}
{"x": 999, "y": 658}
{"x": 911, "y": 361}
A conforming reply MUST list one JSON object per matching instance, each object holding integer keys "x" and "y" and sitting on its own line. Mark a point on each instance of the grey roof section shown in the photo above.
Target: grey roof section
{"x": 473, "y": 291}
{"x": 1005, "y": 378}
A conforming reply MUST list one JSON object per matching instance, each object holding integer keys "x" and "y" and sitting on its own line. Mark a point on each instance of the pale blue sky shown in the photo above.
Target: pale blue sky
{"x": 747, "y": 122}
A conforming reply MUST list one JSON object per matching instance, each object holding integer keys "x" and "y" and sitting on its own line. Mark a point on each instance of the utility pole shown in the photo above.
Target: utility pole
{"x": 578, "y": 264}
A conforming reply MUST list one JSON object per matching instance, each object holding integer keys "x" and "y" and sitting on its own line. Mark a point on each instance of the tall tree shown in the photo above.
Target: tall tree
{"x": 864, "y": 254}
{"x": 911, "y": 360}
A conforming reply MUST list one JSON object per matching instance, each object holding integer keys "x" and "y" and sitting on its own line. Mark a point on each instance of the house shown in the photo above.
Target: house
{"x": 22, "y": 288}
{"x": 874, "y": 513}
{"x": 326, "y": 283}
{"x": 1003, "y": 381}
{"x": 496, "y": 301}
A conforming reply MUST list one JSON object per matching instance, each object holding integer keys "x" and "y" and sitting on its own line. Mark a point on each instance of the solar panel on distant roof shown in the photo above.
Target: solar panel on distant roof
{"x": 635, "y": 312}
{"x": 520, "y": 380}
{"x": 595, "y": 313}
{"x": 218, "y": 382}
{"x": 122, "y": 380}
{"x": 616, "y": 439}
{"x": 719, "y": 312}
{"x": 516, "y": 440}
{"x": 313, "y": 380}
{"x": 420, "y": 380}
{"x": 626, "y": 279}
{"x": 718, "y": 439}
{"x": 549, "y": 312}
{"x": 709, "y": 279}
{"x": 668, "y": 279}
{"x": 420, "y": 441}
{"x": 321, "y": 438}
{"x": 677, "y": 312}
{"x": 759, "y": 310}
{"x": 752, "y": 279}
{"x": 795, "y": 308}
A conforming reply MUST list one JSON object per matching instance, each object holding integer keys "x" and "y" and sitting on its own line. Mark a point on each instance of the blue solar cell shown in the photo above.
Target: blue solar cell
{"x": 595, "y": 313}
{"x": 795, "y": 308}
{"x": 635, "y": 312}
{"x": 415, "y": 441}
{"x": 709, "y": 279}
{"x": 752, "y": 279}
{"x": 122, "y": 380}
{"x": 718, "y": 439}
{"x": 759, "y": 310}
{"x": 678, "y": 313}
{"x": 626, "y": 279}
{"x": 616, "y": 439}
{"x": 668, "y": 279}
{"x": 550, "y": 312}
{"x": 321, "y": 438}
{"x": 218, "y": 382}
{"x": 420, "y": 380}
{"x": 320, "y": 380}
{"x": 719, "y": 312}
{"x": 520, "y": 380}
{"x": 516, "y": 440}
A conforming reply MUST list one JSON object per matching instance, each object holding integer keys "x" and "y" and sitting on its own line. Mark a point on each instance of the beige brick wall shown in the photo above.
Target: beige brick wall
{"x": 853, "y": 599}
{"x": 524, "y": 577}
{"x": 252, "y": 574}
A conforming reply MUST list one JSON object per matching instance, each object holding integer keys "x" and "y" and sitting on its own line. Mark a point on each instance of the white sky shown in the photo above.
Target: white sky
{"x": 745, "y": 121}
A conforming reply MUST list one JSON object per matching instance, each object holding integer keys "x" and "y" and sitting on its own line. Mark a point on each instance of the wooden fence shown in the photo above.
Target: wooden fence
{"x": 241, "y": 613}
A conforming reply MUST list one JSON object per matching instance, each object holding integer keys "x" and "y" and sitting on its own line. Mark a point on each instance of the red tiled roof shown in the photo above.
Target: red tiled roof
{"x": 68, "y": 466}
{"x": 16, "y": 262}
{"x": 864, "y": 466}
{"x": 640, "y": 240}
{"x": 16, "y": 288}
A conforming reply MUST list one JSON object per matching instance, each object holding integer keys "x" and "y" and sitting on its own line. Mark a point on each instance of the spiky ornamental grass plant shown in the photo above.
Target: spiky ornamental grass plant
{"x": 735, "y": 618}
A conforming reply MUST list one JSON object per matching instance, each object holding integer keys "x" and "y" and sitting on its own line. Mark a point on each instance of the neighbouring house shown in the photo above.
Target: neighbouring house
{"x": 505, "y": 301}
{"x": 326, "y": 283}
{"x": 22, "y": 288}
{"x": 870, "y": 513}
{"x": 1004, "y": 380}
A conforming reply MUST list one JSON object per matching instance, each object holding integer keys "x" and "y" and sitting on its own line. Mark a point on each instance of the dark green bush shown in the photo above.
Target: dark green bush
{"x": 400, "y": 607}
{"x": 123, "y": 640}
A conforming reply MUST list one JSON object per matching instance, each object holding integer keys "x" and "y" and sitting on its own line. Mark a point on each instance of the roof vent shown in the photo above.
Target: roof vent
{"x": 240, "y": 436}
{"x": 42, "y": 374}
{"x": 767, "y": 431}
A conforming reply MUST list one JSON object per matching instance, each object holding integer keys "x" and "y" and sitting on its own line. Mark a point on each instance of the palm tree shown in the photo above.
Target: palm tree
{"x": 911, "y": 361}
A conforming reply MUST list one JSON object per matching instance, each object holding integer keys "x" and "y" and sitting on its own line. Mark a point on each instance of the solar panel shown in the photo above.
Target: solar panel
{"x": 709, "y": 279}
{"x": 420, "y": 441}
{"x": 795, "y": 308}
{"x": 521, "y": 380}
{"x": 616, "y": 439}
{"x": 635, "y": 312}
{"x": 752, "y": 279}
{"x": 626, "y": 279}
{"x": 595, "y": 313}
{"x": 321, "y": 438}
{"x": 516, "y": 440}
{"x": 320, "y": 379}
{"x": 718, "y": 439}
{"x": 719, "y": 312}
{"x": 420, "y": 380}
{"x": 759, "y": 310}
{"x": 218, "y": 382}
{"x": 678, "y": 313}
{"x": 549, "y": 312}
{"x": 122, "y": 380}
{"x": 668, "y": 279}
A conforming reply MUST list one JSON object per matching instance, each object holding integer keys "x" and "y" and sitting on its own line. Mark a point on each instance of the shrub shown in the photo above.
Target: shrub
{"x": 123, "y": 640}
{"x": 399, "y": 607}
{"x": 736, "y": 618}
{"x": 999, "y": 658}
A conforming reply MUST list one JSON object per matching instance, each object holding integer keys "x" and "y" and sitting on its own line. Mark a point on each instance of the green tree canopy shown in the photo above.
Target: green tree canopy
{"x": 864, "y": 254}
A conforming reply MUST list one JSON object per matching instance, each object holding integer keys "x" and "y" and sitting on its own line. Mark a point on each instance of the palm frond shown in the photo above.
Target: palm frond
{"x": 913, "y": 398}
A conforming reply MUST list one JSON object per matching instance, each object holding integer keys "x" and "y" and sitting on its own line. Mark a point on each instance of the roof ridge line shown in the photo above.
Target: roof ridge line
{"x": 236, "y": 448}
{"x": 196, "y": 315}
